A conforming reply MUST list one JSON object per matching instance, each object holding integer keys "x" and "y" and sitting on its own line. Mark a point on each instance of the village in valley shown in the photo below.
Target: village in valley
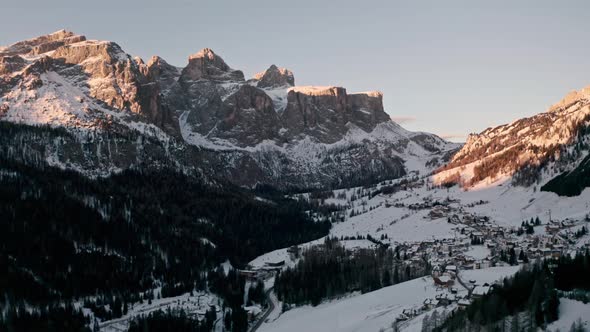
{"x": 450, "y": 240}
{"x": 462, "y": 252}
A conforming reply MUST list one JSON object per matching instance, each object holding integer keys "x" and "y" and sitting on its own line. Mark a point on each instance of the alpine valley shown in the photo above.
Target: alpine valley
{"x": 140, "y": 196}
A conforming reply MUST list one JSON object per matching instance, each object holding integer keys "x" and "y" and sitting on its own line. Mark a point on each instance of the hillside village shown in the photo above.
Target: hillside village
{"x": 475, "y": 242}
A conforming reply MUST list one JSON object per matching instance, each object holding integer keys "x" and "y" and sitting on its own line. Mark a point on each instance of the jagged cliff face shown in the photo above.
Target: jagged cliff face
{"x": 262, "y": 131}
{"x": 527, "y": 151}
{"x": 274, "y": 77}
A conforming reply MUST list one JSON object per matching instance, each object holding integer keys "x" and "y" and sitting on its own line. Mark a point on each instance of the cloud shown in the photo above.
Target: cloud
{"x": 403, "y": 119}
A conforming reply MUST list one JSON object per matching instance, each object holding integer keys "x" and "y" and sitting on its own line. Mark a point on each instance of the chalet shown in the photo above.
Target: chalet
{"x": 454, "y": 219}
{"x": 552, "y": 229}
{"x": 545, "y": 252}
{"x": 411, "y": 312}
{"x": 275, "y": 264}
{"x": 480, "y": 291}
{"x": 483, "y": 264}
{"x": 445, "y": 298}
{"x": 438, "y": 212}
{"x": 489, "y": 243}
{"x": 444, "y": 281}
{"x": 477, "y": 236}
{"x": 469, "y": 266}
{"x": 482, "y": 220}
{"x": 558, "y": 239}
{"x": 463, "y": 303}
{"x": 436, "y": 271}
{"x": 451, "y": 268}
{"x": 402, "y": 317}
{"x": 468, "y": 219}
{"x": 429, "y": 304}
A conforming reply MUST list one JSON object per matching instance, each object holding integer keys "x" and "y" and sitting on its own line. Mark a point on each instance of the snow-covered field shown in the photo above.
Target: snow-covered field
{"x": 195, "y": 305}
{"x": 371, "y": 311}
{"x": 367, "y": 312}
{"x": 395, "y": 219}
{"x": 569, "y": 312}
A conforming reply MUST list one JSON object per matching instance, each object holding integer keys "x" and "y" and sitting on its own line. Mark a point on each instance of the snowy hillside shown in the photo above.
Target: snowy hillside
{"x": 528, "y": 151}
{"x": 372, "y": 311}
{"x": 425, "y": 220}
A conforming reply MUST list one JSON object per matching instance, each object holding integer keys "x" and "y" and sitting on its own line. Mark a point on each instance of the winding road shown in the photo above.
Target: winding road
{"x": 273, "y": 305}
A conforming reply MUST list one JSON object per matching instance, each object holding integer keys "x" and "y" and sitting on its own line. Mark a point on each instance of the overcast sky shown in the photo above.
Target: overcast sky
{"x": 447, "y": 67}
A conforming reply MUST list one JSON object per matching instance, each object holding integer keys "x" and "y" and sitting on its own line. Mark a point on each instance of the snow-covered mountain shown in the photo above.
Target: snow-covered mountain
{"x": 528, "y": 151}
{"x": 121, "y": 112}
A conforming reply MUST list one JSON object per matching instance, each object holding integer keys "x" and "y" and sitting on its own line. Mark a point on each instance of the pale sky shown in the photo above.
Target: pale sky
{"x": 447, "y": 67}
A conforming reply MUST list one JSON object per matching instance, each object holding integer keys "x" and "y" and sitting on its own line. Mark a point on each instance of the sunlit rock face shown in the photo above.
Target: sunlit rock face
{"x": 526, "y": 151}
{"x": 42, "y": 44}
{"x": 275, "y": 77}
{"x": 326, "y": 113}
{"x": 203, "y": 116}
{"x": 207, "y": 65}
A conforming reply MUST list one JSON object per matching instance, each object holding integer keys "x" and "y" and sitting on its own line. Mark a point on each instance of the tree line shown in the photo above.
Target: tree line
{"x": 526, "y": 301}
{"x": 329, "y": 270}
{"x": 111, "y": 241}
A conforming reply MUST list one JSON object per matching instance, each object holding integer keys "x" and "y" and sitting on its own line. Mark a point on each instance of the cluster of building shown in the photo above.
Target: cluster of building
{"x": 480, "y": 244}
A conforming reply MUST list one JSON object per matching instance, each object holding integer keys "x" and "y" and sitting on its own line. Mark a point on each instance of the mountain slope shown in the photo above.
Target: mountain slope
{"x": 527, "y": 151}
{"x": 205, "y": 116}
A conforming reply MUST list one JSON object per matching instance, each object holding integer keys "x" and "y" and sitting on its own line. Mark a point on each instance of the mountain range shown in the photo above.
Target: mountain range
{"x": 204, "y": 117}
{"x": 138, "y": 193}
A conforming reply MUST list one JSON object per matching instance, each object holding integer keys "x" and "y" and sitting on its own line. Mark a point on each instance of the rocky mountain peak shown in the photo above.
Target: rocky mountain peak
{"x": 262, "y": 131}
{"x": 205, "y": 64}
{"x": 42, "y": 44}
{"x": 572, "y": 98}
{"x": 158, "y": 70}
{"x": 93, "y": 50}
{"x": 327, "y": 112}
{"x": 208, "y": 54}
{"x": 275, "y": 77}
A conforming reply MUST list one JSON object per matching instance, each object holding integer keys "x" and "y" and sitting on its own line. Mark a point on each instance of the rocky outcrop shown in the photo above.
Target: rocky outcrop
{"x": 275, "y": 77}
{"x": 367, "y": 109}
{"x": 42, "y": 44}
{"x": 158, "y": 70}
{"x": 245, "y": 118}
{"x": 112, "y": 76}
{"x": 326, "y": 113}
{"x": 10, "y": 64}
{"x": 94, "y": 51}
{"x": 248, "y": 117}
{"x": 209, "y": 66}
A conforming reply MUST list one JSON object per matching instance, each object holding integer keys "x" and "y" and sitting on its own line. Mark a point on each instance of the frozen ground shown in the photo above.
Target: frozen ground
{"x": 367, "y": 312}
{"x": 195, "y": 306}
{"x": 569, "y": 312}
{"x": 371, "y": 311}
{"x": 393, "y": 217}
{"x": 478, "y": 252}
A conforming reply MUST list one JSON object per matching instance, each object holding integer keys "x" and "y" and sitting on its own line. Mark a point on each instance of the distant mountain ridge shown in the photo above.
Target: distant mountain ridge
{"x": 205, "y": 116}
